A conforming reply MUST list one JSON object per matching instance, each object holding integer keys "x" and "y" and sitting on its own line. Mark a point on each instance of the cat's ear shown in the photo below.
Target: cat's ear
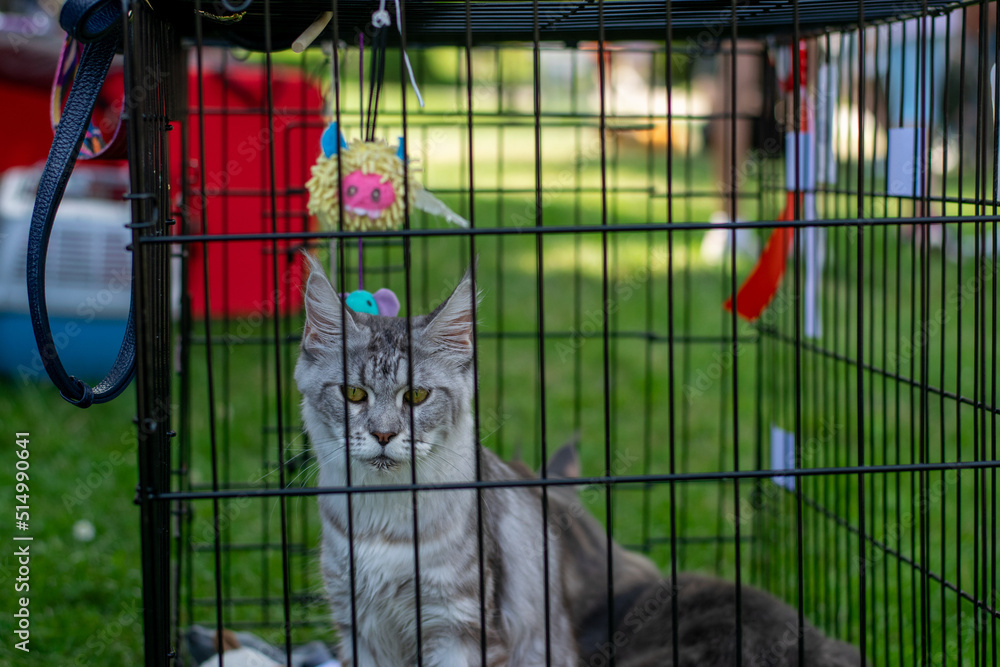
{"x": 324, "y": 311}
{"x": 566, "y": 461}
{"x": 450, "y": 325}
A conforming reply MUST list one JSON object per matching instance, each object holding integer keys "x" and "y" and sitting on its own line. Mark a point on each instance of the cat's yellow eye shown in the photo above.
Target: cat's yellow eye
{"x": 354, "y": 394}
{"x": 416, "y": 396}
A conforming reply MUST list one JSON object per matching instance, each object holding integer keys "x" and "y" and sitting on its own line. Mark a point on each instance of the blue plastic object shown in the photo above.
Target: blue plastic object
{"x": 89, "y": 348}
{"x": 361, "y": 301}
{"x": 332, "y": 140}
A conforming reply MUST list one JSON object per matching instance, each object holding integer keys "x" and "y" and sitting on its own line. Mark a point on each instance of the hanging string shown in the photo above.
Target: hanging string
{"x": 361, "y": 111}
{"x": 406, "y": 58}
{"x": 381, "y": 19}
{"x": 361, "y": 77}
{"x": 375, "y": 82}
{"x": 361, "y": 266}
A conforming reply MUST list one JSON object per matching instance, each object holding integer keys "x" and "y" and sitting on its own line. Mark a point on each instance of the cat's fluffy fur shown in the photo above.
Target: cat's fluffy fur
{"x": 644, "y": 605}
{"x": 444, "y": 448}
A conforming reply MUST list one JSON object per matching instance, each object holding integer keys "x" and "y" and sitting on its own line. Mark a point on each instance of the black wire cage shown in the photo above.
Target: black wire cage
{"x": 625, "y": 167}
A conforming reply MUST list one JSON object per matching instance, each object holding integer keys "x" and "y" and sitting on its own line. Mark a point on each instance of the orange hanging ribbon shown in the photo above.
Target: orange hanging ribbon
{"x": 758, "y": 290}
{"x": 760, "y": 287}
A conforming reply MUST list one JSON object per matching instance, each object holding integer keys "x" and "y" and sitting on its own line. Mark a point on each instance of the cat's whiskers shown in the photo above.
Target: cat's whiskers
{"x": 326, "y": 455}
{"x": 436, "y": 460}
{"x": 276, "y": 469}
{"x": 288, "y": 446}
{"x": 307, "y": 470}
{"x": 304, "y": 452}
{"x": 322, "y": 457}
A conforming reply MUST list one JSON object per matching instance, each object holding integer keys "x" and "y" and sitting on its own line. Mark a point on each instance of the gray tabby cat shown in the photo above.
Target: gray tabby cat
{"x": 373, "y": 401}
{"x": 643, "y": 605}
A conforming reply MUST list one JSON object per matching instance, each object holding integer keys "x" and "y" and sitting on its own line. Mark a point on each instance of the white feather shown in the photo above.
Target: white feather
{"x": 427, "y": 202}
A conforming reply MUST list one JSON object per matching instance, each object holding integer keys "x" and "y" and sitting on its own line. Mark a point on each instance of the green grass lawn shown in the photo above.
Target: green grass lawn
{"x": 85, "y": 595}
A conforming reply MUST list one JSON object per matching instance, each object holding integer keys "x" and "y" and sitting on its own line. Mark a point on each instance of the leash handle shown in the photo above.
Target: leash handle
{"x": 95, "y": 23}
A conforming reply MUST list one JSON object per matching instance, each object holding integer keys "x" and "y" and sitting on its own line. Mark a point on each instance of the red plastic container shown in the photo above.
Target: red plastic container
{"x": 244, "y": 149}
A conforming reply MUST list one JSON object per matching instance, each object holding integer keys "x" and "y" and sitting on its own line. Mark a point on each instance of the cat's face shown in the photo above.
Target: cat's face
{"x": 388, "y": 420}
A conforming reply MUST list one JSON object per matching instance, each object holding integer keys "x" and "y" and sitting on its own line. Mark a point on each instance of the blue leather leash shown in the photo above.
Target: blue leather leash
{"x": 97, "y": 25}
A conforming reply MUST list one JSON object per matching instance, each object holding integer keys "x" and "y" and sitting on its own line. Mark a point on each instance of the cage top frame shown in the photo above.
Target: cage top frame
{"x": 451, "y": 22}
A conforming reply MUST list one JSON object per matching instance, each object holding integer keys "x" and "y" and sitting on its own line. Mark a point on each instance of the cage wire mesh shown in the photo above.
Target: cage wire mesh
{"x": 600, "y": 151}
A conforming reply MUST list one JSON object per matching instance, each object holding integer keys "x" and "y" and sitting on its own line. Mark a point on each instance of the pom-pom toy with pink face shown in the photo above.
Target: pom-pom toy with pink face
{"x": 373, "y": 181}
{"x": 367, "y": 194}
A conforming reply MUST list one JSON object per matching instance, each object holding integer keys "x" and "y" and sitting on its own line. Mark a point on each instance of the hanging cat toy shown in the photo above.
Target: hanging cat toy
{"x": 361, "y": 186}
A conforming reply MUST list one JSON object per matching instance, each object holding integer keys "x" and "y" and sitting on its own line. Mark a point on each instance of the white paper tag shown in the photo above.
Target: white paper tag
{"x": 814, "y": 250}
{"x": 827, "y": 89}
{"x": 906, "y": 159}
{"x": 806, "y": 161}
{"x": 782, "y": 456}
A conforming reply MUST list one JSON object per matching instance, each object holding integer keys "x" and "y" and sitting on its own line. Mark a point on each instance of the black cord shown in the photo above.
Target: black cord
{"x": 376, "y": 76}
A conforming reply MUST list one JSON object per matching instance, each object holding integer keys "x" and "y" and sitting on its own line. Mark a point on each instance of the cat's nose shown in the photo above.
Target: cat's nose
{"x": 383, "y": 438}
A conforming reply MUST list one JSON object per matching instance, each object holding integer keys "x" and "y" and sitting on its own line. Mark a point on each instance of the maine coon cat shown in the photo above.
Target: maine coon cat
{"x": 643, "y": 611}
{"x": 361, "y": 416}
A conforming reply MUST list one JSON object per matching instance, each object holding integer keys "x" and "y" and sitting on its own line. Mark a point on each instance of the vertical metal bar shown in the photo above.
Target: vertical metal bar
{"x": 878, "y": 481}
{"x": 671, "y": 394}
{"x": 276, "y": 332}
{"x": 608, "y": 507}
{"x": 184, "y": 553}
{"x": 942, "y": 433}
{"x": 540, "y": 316}
{"x": 798, "y": 213}
{"x": 209, "y": 364}
{"x": 577, "y": 246}
{"x": 885, "y": 389}
{"x": 915, "y": 249}
{"x": 499, "y": 274}
{"x": 873, "y": 480}
{"x": 863, "y": 583}
{"x": 924, "y": 131}
{"x": 898, "y": 446}
{"x": 733, "y": 320}
{"x": 648, "y": 321}
{"x": 420, "y": 58}
{"x": 686, "y": 324}
{"x": 828, "y": 309}
{"x": 959, "y": 336}
{"x": 756, "y": 543}
{"x": 841, "y": 409}
{"x": 992, "y": 598}
{"x": 407, "y": 274}
{"x": 727, "y": 277}
{"x": 148, "y": 41}
{"x": 980, "y": 547}
{"x": 882, "y": 479}
{"x": 613, "y": 217}
{"x": 227, "y": 350}
{"x": 844, "y": 80}
{"x": 306, "y": 509}
{"x": 341, "y": 267}
{"x": 475, "y": 343}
